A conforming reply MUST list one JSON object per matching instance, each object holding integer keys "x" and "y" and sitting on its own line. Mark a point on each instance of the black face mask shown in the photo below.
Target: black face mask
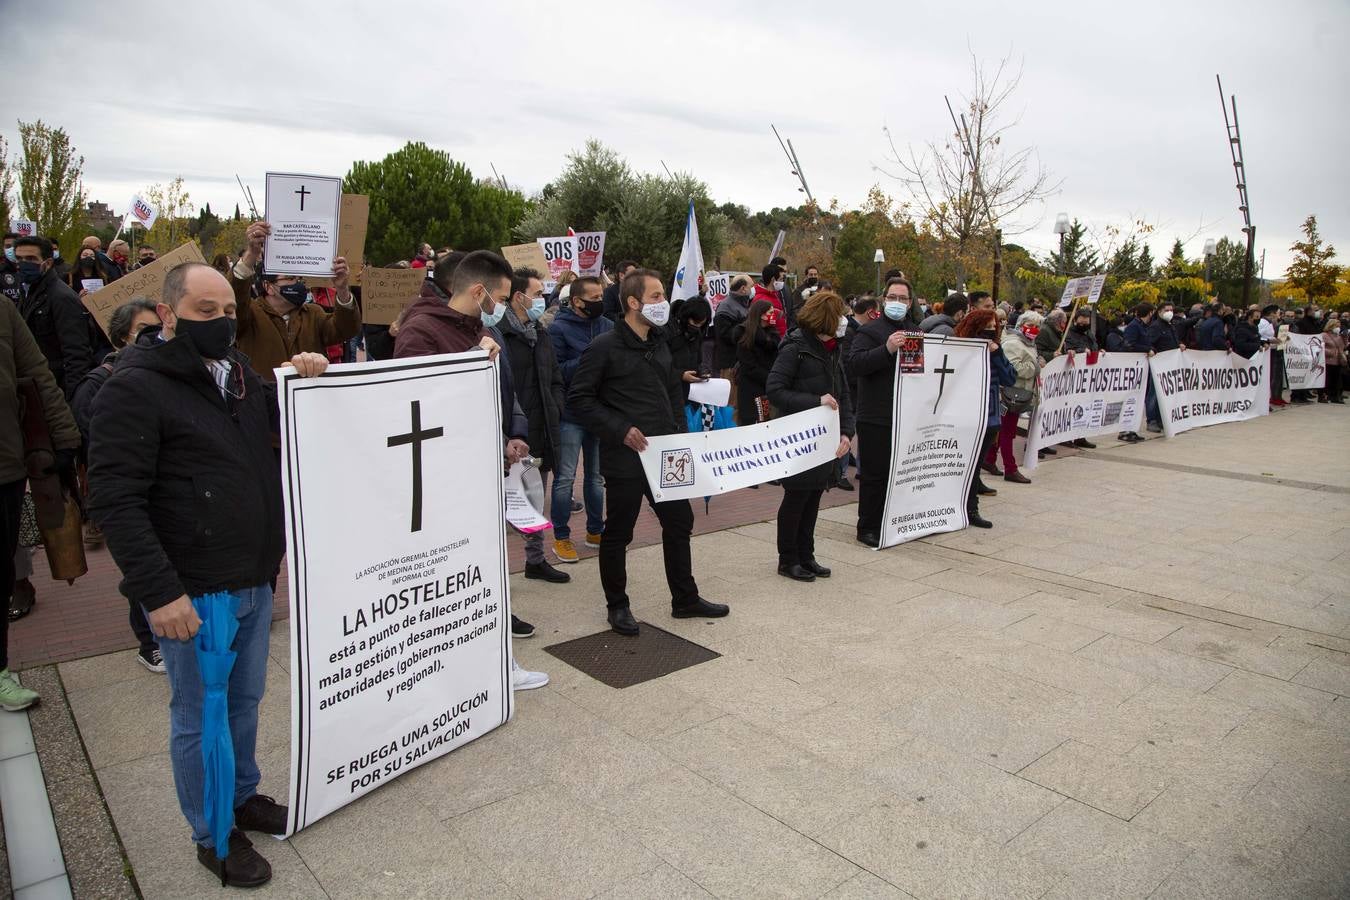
{"x": 989, "y": 335}
{"x": 213, "y": 338}
{"x": 1081, "y": 329}
{"x": 592, "y": 309}
{"x": 87, "y": 264}
{"x": 294, "y": 294}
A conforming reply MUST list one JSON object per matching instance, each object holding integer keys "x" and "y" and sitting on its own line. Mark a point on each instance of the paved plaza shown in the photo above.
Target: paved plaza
{"x": 1136, "y": 685}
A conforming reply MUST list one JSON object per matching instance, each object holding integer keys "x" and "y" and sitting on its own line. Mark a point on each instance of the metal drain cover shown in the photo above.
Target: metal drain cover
{"x": 622, "y": 662}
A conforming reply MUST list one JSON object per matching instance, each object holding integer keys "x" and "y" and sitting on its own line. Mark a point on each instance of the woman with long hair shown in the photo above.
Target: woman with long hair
{"x": 809, "y": 372}
{"x": 982, "y": 323}
{"x": 756, "y": 346}
{"x": 1019, "y": 348}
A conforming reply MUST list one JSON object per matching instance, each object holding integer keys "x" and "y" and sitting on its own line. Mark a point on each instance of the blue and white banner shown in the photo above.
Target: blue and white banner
{"x": 690, "y": 270}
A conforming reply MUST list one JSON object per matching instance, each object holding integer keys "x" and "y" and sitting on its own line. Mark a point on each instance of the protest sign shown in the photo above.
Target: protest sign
{"x": 91, "y": 284}
{"x": 718, "y": 286}
{"x": 524, "y": 492}
{"x": 385, "y": 293}
{"x": 590, "y": 252}
{"x": 303, "y": 211}
{"x": 400, "y": 629}
{"x": 527, "y": 256}
{"x": 939, "y": 422}
{"x": 1305, "y": 362}
{"x": 1205, "y": 387}
{"x": 142, "y": 212}
{"x": 910, "y": 354}
{"x": 23, "y": 227}
{"x": 560, "y": 255}
{"x": 352, "y": 227}
{"x": 147, "y": 282}
{"x": 705, "y": 463}
{"x": 1083, "y": 398}
{"x": 1086, "y": 289}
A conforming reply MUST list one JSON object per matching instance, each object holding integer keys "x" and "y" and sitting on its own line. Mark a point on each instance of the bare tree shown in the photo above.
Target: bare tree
{"x": 972, "y": 183}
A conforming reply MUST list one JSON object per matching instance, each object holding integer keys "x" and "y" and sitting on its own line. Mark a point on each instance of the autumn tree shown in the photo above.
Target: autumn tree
{"x": 1311, "y": 270}
{"x": 50, "y": 189}
{"x": 174, "y": 225}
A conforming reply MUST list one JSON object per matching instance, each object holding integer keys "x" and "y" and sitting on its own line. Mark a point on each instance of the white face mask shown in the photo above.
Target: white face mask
{"x": 656, "y": 313}
{"x": 843, "y": 327}
{"x": 1166, "y": 315}
{"x": 778, "y": 285}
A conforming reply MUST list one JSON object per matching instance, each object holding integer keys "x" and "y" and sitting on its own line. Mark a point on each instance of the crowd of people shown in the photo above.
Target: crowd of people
{"x": 165, "y": 427}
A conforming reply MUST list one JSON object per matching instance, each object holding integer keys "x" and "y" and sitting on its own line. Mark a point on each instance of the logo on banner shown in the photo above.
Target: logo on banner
{"x": 143, "y": 210}
{"x": 677, "y": 468}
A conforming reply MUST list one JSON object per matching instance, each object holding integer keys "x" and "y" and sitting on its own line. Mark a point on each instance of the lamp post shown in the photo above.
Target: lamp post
{"x": 878, "y": 258}
{"x": 1209, "y": 255}
{"x": 1061, "y": 229}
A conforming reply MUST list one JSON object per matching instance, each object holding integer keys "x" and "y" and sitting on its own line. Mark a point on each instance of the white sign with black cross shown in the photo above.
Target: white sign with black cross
{"x": 303, "y": 211}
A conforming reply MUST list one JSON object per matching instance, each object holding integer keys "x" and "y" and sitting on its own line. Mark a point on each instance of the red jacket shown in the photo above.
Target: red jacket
{"x": 431, "y": 327}
{"x": 763, "y": 293}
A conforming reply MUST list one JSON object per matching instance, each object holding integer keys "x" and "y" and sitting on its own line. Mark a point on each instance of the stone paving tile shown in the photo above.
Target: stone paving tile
{"x": 1073, "y": 673}
{"x": 1102, "y": 780}
{"x": 1229, "y": 647}
{"x": 1151, "y": 661}
{"x": 1326, "y": 676}
{"x": 982, "y": 729}
{"x": 1286, "y": 698}
{"x": 1113, "y": 621}
{"x": 866, "y": 886}
{"x": 1056, "y": 634}
{"x": 661, "y": 883}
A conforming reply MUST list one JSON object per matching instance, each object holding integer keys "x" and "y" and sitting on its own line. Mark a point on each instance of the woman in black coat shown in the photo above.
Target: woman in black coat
{"x": 684, "y": 333}
{"x": 1246, "y": 335}
{"x": 756, "y": 346}
{"x": 807, "y": 373}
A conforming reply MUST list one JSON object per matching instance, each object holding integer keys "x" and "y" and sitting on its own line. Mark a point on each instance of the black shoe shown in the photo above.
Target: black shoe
{"x": 261, "y": 813}
{"x": 22, "y": 599}
{"x": 577, "y": 506}
{"x": 991, "y": 468}
{"x": 1049, "y": 451}
{"x": 621, "y": 620}
{"x": 797, "y": 573}
{"x": 242, "y": 867}
{"x": 869, "y": 538}
{"x": 520, "y": 628}
{"x": 844, "y": 484}
{"x": 985, "y": 490}
{"x": 700, "y": 609}
{"x": 1085, "y": 444}
{"x": 979, "y": 521}
{"x": 812, "y": 566}
{"x": 545, "y": 572}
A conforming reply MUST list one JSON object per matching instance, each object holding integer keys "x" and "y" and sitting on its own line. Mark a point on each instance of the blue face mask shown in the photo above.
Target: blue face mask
{"x": 537, "y": 307}
{"x": 9, "y": 254}
{"x": 895, "y": 310}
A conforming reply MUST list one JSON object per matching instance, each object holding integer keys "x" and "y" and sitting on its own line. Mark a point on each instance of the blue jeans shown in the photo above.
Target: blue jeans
{"x": 1152, "y": 411}
{"x": 185, "y": 708}
{"x": 576, "y": 441}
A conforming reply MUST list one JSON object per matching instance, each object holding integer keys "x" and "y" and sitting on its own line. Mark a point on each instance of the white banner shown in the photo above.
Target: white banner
{"x": 1205, "y": 387}
{"x": 689, "y": 271}
{"x": 940, "y": 418}
{"x": 705, "y": 463}
{"x": 1082, "y": 399}
{"x": 590, "y": 253}
{"x": 400, "y": 618}
{"x": 1305, "y": 362}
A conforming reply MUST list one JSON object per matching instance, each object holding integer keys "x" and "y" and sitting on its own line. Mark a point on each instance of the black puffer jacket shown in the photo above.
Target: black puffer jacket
{"x": 58, "y": 321}
{"x": 538, "y": 385}
{"x": 626, "y": 382}
{"x": 183, "y": 481}
{"x": 686, "y": 341}
{"x": 802, "y": 373}
{"x": 874, "y": 366}
{"x": 1246, "y": 339}
{"x": 752, "y": 377}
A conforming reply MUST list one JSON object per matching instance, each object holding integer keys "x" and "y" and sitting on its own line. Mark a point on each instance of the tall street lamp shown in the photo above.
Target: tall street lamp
{"x": 878, "y": 258}
{"x": 1209, "y": 255}
{"x": 1061, "y": 229}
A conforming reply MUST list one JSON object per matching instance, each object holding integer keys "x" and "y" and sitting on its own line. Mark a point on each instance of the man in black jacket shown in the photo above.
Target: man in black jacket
{"x": 53, "y": 313}
{"x": 538, "y": 387}
{"x": 871, "y": 360}
{"x": 613, "y": 306}
{"x": 185, "y": 485}
{"x": 625, "y": 389}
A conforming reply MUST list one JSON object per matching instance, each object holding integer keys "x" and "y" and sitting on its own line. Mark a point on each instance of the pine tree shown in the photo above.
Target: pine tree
{"x": 1176, "y": 265}
{"x": 1311, "y": 270}
{"x": 237, "y": 216}
{"x": 1145, "y": 265}
{"x": 1074, "y": 257}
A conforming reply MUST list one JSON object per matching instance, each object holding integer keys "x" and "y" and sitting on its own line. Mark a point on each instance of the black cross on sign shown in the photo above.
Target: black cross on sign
{"x": 303, "y": 193}
{"x": 415, "y": 437}
{"x": 944, "y": 371}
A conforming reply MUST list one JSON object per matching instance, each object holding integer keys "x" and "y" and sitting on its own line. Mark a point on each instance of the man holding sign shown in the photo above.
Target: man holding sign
{"x": 280, "y": 323}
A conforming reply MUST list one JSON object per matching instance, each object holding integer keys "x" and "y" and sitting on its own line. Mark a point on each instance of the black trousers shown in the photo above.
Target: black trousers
{"x": 623, "y": 502}
{"x": 1334, "y": 387}
{"x": 797, "y": 526}
{"x": 973, "y": 499}
{"x": 874, "y": 474}
{"x": 1276, "y": 374}
{"x": 11, "y": 502}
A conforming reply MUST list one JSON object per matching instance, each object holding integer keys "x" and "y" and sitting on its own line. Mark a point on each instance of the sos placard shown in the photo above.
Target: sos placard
{"x": 718, "y": 286}
{"x": 590, "y": 252}
{"x": 561, "y": 255}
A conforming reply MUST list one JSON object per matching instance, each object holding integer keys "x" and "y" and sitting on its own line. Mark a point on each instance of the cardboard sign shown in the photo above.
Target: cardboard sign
{"x": 560, "y": 253}
{"x": 385, "y": 293}
{"x": 147, "y": 282}
{"x": 911, "y": 354}
{"x": 590, "y": 253}
{"x": 23, "y": 227}
{"x": 352, "y": 229}
{"x": 303, "y": 211}
{"x": 527, "y": 256}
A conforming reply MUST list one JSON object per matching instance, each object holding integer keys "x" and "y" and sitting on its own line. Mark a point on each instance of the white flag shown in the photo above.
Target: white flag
{"x": 690, "y": 270}
{"x": 142, "y": 212}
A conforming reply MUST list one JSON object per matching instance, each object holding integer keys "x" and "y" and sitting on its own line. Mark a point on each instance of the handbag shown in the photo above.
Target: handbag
{"x": 1015, "y": 399}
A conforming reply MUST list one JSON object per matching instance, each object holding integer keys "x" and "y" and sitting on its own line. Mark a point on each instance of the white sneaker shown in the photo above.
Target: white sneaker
{"x": 524, "y": 679}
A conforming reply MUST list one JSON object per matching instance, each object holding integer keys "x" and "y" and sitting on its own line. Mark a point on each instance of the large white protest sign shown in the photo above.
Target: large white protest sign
{"x": 400, "y": 622}
{"x": 590, "y": 252}
{"x": 940, "y": 418}
{"x": 23, "y": 227}
{"x": 1305, "y": 362}
{"x": 704, "y": 463}
{"x": 560, "y": 255}
{"x": 1083, "y": 398}
{"x": 303, "y": 211}
{"x": 1205, "y": 387}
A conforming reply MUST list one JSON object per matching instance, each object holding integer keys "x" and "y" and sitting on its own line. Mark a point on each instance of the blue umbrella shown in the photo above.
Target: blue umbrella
{"x": 215, "y": 660}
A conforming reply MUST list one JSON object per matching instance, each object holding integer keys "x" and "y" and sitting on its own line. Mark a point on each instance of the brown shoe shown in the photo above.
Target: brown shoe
{"x": 1017, "y": 478}
{"x": 242, "y": 867}
{"x": 93, "y": 536}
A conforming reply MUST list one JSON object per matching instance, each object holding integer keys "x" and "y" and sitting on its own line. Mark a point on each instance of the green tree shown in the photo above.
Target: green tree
{"x": 1177, "y": 266}
{"x": 173, "y": 227}
{"x": 587, "y": 195}
{"x": 6, "y": 184}
{"x": 1146, "y": 266}
{"x": 1227, "y": 268}
{"x": 1311, "y": 270}
{"x": 50, "y": 190}
{"x": 1075, "y": 256}
{"x": 419, "y": 194}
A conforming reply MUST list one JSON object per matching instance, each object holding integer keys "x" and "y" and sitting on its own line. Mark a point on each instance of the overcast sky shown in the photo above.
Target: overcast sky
{"x": 1119, "y": 100}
